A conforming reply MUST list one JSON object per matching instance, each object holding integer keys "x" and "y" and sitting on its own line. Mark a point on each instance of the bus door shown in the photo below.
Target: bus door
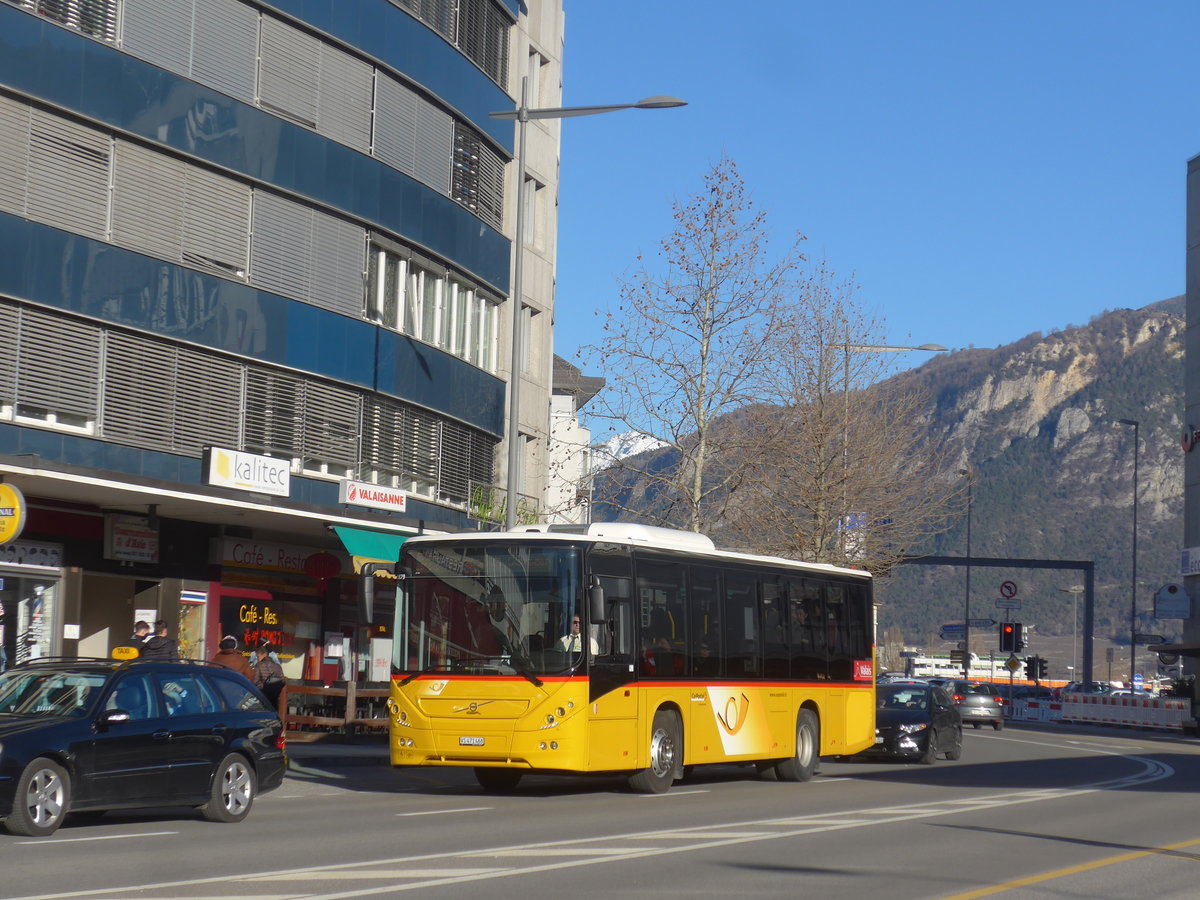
{"x": 612, "y": 728}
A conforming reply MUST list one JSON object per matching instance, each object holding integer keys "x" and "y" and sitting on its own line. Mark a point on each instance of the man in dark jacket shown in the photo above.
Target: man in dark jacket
{"x": 160, "y": 646}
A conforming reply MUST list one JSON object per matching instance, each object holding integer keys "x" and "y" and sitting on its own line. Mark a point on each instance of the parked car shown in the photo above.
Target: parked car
{"x": 979, "y": 702}
{"x": 88, "y": 735}
{"x": 1032, "y": 692}
{"x": 916, "y": 721}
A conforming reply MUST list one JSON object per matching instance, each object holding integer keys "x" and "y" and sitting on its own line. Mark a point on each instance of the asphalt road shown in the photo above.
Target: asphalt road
{"x": 1028, "y": 812}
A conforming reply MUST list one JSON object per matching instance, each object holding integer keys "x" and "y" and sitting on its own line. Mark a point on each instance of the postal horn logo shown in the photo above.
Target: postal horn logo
{"x": 733, "y": 717}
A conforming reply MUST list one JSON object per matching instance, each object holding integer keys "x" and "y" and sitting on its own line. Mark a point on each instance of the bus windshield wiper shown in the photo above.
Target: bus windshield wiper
{"x": 425, "y": 671}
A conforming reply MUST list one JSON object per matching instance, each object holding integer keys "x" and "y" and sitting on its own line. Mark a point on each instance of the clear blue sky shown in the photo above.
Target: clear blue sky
{"x": 984, "y": 170}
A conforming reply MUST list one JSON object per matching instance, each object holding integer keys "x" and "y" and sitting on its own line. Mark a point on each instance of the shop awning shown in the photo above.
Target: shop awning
{"x": 370, "y": 546}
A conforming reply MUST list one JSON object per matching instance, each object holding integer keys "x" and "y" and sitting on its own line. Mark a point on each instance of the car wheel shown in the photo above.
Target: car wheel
{"x": 955, "y": 751}
{"x": 931, "y": 750}
{"x": 233, "y": 790}
{"x": 498, "y": 780}
{"x": 803, "y": 765}
{"x": 657, "y": 777}
{"x": 41, "y": 800}
{"x": 998, "y": 725}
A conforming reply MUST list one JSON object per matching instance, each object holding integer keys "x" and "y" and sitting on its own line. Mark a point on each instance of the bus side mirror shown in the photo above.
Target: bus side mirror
{"x": 596, "y": 611}
{"x": 366, "y": 590}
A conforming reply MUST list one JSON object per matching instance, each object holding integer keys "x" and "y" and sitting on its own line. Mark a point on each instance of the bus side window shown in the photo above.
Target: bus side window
{"x": 616, "y": 637}
{"x": 742, "y": 646}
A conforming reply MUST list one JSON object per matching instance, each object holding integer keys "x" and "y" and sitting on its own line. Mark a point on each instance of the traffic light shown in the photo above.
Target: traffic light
{"x": 1008, "y": 637}
{"x": 1041, "y": 668}
{"x": 1018, "y": 637}
{"x": 1031, "y": 667}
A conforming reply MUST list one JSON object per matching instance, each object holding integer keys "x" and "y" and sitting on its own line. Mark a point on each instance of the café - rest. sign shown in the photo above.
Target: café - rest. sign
{"x": 248, "y": 471}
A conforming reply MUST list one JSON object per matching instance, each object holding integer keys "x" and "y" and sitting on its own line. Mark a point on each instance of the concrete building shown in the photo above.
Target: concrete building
{"x": 569, "y": 491}
{"x": 254, "y": 304}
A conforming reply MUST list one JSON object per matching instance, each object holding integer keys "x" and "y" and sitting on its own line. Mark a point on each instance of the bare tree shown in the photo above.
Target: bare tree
{"x": 844, "y": 474}
{"x": 685, "y": 348}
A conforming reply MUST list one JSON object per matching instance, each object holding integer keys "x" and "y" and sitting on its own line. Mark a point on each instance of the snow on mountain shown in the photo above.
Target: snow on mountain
{"x": 620, "y": 446}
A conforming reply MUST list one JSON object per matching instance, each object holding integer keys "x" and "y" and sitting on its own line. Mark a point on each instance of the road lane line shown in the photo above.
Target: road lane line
{"x": 442, "y": 812}
{"x": 45, "y": 842}
{"x": 780, "y": 828}
{"x": 1069, "y": 870}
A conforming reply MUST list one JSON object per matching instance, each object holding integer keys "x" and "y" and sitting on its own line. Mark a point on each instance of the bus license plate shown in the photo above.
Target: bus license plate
{"x": 470, "y": 742}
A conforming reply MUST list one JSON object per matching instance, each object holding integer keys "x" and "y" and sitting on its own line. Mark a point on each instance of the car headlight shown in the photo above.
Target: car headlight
{"x": 910, "y": 727}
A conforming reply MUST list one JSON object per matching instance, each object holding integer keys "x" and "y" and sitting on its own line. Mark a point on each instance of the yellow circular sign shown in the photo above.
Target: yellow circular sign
{"x": 125, "y": 653}
{"x": 12, "y": 513}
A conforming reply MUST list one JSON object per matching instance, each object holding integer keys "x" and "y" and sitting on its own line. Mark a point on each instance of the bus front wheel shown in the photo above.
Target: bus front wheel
{"x": 803, "y": 764}
{"x": 665, "y": 751}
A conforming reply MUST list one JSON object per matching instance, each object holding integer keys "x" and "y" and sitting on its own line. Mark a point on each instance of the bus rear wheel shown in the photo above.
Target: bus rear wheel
{"x": 665, "y": 749}
{"x": 498, "y": 780}
{"x": 803, "y": 765}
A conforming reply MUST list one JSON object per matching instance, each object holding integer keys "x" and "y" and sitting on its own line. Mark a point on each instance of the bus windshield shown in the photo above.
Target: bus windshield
{"x": 494, "y": 608}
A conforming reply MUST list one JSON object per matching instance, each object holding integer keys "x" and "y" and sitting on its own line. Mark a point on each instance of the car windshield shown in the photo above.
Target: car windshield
{"x": 39, "y": 692}
{"x": 903, "y": 698}
{"x": 498, "y": 608}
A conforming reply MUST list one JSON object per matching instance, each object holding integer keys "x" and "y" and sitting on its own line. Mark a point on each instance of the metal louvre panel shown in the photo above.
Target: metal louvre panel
{"x": 482, "y": 465}
{"x": 336, "y": 260}
{"x": 344, "y": 99}
{"x": 160, "y": 32}
{"x": 216, "y": 224}
{"x": 98, "y": 18}
{"x": 271, "y": 417}
{"x": 279, "y": 255}
{"x": 380, "y": 443}
{"x": 58, "y": 361}
{"x": 225, "y": 52}
{"x": 491, "y": 187}
{"x": 434, "y": 147}
{"x": 438, "y": 15}
{"x": 331, "y": 424}
{"x": 455, "y": 462}
{"x": 8, "y": 353}
{"x": 148, "y": 201}
{"x": 139, "y": 392}
{"x": 208, "y": 402}
{"x": 396, "y": 124}
{"x": 14, "y": 155}
{"x": 483, "y": 37}
{"x": 289, "y": 71}
{"x": 68, "y": 175}
{"x": 421, "y": 445}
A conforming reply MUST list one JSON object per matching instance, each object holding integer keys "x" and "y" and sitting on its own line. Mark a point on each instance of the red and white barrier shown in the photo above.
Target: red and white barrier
{"x": 1135, "y": 712}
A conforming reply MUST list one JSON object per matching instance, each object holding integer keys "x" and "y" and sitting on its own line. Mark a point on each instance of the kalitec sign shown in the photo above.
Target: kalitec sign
{"x": 247, "y": 471}
{"x": 359, "y": 493}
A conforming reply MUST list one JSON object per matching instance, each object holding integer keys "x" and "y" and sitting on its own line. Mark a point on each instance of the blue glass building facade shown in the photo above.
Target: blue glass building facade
{"x": 271, "y": 227}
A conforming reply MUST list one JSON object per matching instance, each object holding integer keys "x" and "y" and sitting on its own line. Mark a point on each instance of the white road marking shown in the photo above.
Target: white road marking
{"x": 45, "y": 842}
{"x": 610, "y": 848}
{"x": 442, "y": 812}
{"x": 673, "y": 794}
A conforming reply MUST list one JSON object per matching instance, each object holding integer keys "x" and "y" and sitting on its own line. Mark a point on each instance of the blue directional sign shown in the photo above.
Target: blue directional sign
{"x": 954, "y": 628}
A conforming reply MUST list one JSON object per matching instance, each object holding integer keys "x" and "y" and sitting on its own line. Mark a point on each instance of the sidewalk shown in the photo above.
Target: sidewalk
{"x": 365, "y": 751}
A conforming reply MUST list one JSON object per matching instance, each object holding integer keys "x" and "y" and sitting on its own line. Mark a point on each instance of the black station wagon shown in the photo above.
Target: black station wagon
{"x": 88, "y": 735}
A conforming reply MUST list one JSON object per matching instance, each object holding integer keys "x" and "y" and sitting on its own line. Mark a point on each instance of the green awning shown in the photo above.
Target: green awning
{"x": 370, "y": 546}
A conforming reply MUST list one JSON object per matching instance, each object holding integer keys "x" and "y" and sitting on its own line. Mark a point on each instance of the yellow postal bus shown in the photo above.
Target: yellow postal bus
{"x": 621, "y": 648}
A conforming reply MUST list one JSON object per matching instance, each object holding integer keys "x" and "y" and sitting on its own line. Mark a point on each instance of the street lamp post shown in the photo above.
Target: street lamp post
{"x": 966, "y": 473}
{"x": 847, "y": 349}
{"x": 522, "y": 114}
{"x": 1133, "y": 577}
{"x": 1075, "y": 590}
